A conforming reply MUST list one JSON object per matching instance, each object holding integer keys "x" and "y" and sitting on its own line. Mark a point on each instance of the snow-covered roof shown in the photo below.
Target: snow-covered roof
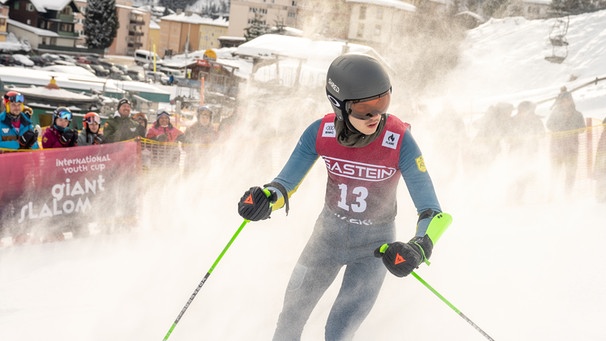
{"x": 387, "y": 3}
{"x": 471, "y": 14}
{"x": 37, "y": 31}
{"x": 269, "y": 45}
{"x": 71, "y": 69}
{"x": 195, "y": 19}
{"x": 154, "y": 25}
{"x": 55, "y": 5}
{"x": 538, "y": 2}
{"x": 43, "y": 92}
{"x": 12, "y": 43}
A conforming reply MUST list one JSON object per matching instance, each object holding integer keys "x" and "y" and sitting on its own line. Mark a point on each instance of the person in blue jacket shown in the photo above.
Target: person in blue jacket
{"x": 366, "y": 151}
{"x": 16, "y": 128}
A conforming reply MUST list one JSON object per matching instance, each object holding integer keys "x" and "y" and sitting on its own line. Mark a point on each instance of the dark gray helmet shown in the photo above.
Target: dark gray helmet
{"x": 354, "y": 77}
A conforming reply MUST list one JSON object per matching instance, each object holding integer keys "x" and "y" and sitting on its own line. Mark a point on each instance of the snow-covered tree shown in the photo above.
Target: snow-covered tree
{"x": 257, "y": 28}
{"x": 100, "y": 23}
{"x": 577, "y": 6}
{"x": 177, "y": 4}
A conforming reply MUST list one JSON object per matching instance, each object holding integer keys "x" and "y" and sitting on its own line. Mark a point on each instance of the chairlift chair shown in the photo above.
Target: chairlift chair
{"x": 559, "y": 43}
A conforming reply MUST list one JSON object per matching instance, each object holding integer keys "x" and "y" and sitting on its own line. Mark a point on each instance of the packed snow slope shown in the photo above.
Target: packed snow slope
{"x": 522, "y": 268}
{"x": 504, "y": 60}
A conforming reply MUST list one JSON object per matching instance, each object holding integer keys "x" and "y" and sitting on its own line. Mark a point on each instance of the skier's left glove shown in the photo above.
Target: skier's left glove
{"x": 402, "y": 258}
{"x": 256, "y": 203}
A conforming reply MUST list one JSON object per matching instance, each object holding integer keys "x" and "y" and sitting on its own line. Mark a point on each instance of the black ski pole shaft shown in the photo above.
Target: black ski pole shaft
{"x": 451, "y": 306}
{"x": 191, "y": 298}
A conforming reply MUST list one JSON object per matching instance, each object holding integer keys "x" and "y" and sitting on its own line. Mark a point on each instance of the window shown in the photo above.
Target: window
{"x": 378, "y": 30}
{"x": 360, "y": 32}
{"x": 379, "y": 12}
{"x": 65, "y": 27}
{"x": 29, "y": 7}
{"x": 362, "y": 13}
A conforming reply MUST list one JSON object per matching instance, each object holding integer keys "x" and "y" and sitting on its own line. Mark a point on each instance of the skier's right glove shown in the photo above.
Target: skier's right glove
{"x": 256, "y": 203}
{"x": 28, "y": 139}
{"x": 402, "y": 258}
{"x": 69, "y": 137}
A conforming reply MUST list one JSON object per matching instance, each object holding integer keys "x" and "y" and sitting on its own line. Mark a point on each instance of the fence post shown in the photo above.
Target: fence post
{"x": 589, "y": 134}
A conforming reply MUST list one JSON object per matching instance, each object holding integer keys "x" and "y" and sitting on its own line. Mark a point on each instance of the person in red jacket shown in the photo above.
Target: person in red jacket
{"x": 59, "y": 134}
{"x": 166, "y": 153}
{"x": 163, "y": 130}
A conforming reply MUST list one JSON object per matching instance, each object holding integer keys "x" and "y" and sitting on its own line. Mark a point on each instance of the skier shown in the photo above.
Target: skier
{"x": 365, "y": 150}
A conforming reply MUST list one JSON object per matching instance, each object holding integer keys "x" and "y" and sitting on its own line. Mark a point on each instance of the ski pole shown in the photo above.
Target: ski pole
{"x": 451, "y": 306}
{"x": 191, "y": 298}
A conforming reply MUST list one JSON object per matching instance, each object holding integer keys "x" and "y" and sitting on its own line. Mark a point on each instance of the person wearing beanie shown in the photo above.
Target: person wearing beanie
{"x": 166, "y": 153}
{"x": 162, "y": 130}
{"x": 121, "y": 127}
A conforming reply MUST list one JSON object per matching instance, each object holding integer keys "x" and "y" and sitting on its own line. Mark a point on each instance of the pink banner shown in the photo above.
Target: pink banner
{"x": 42, "y": 186}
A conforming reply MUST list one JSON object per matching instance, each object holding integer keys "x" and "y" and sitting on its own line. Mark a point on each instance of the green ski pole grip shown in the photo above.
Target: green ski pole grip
{"x": 438, "y": 225}
{"x": 267, "y": 192}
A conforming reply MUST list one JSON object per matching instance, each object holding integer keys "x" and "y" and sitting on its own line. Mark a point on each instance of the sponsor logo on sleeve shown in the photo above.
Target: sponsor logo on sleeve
{"x": 421, "y": 164}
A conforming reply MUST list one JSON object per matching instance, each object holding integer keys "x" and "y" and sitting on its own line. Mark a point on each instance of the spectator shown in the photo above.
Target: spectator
{"x": 167, "y": 153}
{"x": 197, "y": 139}
{"x": 202, "y": 131}
{"x": 141, "y": 118}
{"x": 162, "y": 130}
{"x": 527, "y": 132}
{"x": 527, "y": 129}
{"x": 600, "y": 166}
{"x": 28, "y": 111}
{"x": 59, "y": 134}
{"x": 491, "y": 138}
{"x": 121, "y": 127}
{"x": 16, "y": 129}
{"x": 90, "y": 134}
{"x": 565, "y": 124}
{"x": 226, "y": 126}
